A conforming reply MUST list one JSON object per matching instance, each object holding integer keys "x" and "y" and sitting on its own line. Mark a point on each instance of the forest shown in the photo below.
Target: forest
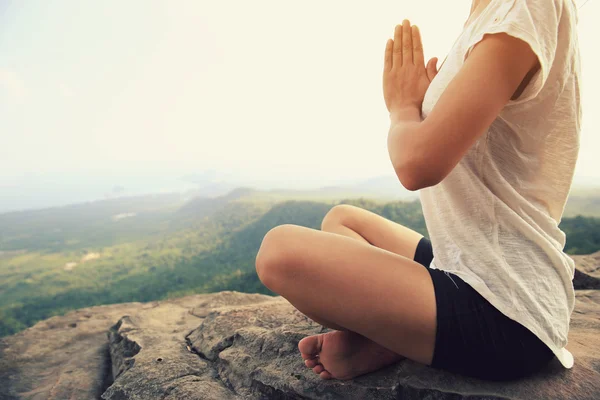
{"x": 164, "y": 246}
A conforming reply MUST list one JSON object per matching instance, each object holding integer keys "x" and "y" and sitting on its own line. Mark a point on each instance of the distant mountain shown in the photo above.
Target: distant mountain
{"x": 385, "y": 185}
{"x": 384, "y": 188}
{"x": 201, "y": 206}
{"x": 76, "y": 226}
{"x": 210, "y": 183}
{"x": 583, "y": 200}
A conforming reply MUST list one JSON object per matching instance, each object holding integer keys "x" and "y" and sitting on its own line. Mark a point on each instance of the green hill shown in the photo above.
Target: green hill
{"x": 155, "y": 247}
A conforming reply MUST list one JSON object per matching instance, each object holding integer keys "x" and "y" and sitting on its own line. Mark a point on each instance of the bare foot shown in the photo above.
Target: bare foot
{"x": 344, "y": 354}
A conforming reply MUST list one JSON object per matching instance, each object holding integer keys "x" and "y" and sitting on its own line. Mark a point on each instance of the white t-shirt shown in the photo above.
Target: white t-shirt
{"x": 493, "y": 221}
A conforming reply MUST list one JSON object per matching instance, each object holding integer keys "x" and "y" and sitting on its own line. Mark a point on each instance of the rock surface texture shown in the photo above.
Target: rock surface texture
{"x": 587, "y": 272}
{"x": 232, "y": 345}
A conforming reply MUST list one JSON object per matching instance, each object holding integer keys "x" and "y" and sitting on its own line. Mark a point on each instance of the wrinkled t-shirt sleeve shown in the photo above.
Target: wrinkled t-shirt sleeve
{"x": 533, "y": 21}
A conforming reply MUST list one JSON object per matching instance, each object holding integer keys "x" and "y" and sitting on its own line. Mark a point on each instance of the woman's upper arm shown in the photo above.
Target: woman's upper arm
{"x": 471, "y": 101}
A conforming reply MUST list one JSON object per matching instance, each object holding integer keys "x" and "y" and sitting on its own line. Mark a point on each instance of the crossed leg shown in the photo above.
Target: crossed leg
{"x": 386, "y": 298}
{"x": 367, "y": 227}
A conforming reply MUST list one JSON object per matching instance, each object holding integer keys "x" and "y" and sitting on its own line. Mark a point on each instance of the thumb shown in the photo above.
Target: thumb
{"x": 431, "y": 68}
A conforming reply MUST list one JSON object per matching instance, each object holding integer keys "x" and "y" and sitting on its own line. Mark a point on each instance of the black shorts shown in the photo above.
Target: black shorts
{"x": 472, "y": 337}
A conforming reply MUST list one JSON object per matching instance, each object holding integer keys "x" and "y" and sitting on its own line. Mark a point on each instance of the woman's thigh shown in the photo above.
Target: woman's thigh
{"x": 375, "y": 229}
{"x": 381, "y": 295}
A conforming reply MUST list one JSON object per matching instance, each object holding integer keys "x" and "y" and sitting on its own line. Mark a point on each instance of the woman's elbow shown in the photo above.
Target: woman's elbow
{"x": 417, "y": 176}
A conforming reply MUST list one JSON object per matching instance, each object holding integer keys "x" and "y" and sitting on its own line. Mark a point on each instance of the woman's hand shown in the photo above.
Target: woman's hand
{"x": 405, "y": 78}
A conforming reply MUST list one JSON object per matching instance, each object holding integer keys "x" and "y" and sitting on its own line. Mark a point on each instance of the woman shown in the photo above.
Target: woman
{"x": 491, "y": 144}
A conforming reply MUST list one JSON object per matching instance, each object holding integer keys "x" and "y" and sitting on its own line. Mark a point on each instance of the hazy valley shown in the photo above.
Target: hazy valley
{"x": 169, "y": 245}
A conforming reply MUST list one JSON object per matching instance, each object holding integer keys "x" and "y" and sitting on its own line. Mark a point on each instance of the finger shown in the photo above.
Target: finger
{"x": 418, "y": 56}
{"x": 397, "y": 57}
{"x": 431, "y": 69}
{"x": 387, "y": 63}
{"x": 407, "y": 49}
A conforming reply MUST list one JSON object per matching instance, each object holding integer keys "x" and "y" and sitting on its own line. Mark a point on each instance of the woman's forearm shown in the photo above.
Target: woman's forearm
{"x": 405, "y": 144}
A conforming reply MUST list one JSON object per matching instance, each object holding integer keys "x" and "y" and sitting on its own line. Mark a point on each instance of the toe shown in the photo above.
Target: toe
{"x": 311, "y": 363}
{"x": 308, "y": 356}
{"x": 310, "y": 346}
{"x": 325, "y": 375}
{"x": 318, "y": 369}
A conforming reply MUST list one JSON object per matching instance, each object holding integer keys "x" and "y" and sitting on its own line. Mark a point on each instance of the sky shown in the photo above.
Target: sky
{"x": 98, "y": 94}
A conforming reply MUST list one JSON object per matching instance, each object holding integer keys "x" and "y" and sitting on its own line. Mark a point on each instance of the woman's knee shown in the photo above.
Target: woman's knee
{"x": 272, "y": 252}
{"x": 338, "y": 215}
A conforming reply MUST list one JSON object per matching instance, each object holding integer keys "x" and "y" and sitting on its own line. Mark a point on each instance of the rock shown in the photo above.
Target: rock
{"x": 152, "y": 359}
{"x": 62, "y": 357}
{"x": 254, "y": 349}
{"x": 587, "y": 273}
{"x": 232, "y": 345}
